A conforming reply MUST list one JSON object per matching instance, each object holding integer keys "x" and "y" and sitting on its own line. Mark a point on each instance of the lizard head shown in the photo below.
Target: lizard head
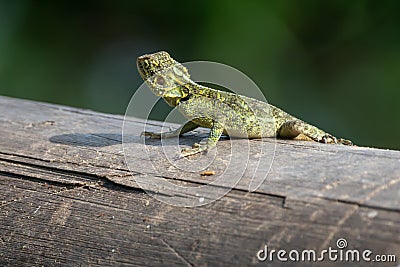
{"x": 163, "y": 74}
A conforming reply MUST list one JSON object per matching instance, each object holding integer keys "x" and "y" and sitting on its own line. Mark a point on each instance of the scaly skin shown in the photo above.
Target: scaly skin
{"x": 222, "y": 112}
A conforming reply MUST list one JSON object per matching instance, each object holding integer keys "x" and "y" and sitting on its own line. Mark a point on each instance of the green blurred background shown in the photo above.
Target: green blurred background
{"x": 335, "y": 64}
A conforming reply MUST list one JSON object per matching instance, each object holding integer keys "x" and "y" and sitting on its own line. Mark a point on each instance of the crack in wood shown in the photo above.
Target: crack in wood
{"x": 176, "y": 253}
{"x": 359, "y": 204}
{"x": 93, "y": 177}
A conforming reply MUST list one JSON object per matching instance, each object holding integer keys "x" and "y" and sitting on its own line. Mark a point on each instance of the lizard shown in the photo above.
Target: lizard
{"x": 223, "y": 112}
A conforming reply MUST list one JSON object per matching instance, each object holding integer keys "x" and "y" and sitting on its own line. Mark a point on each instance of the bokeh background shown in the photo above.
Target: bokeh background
{"x": 335, "y": 64}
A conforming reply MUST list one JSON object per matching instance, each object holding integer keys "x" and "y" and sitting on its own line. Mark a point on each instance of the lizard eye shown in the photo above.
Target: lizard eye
{"x": 160, "y": 80}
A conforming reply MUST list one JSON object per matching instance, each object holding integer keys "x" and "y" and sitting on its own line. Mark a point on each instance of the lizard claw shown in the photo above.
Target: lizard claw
{"x": 151, "y": 135}
{"x": 196, "y": 145}
{"x": 328, "y": 139}
{"x": 196, "y": 148}
{"x": 345, "y": 142}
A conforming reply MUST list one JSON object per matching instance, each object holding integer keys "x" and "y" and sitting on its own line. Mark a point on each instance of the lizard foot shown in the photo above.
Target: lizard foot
{"x": 196, "y": 148}
{"x": 151, "y": 135}
{"x": 328, "y": 139}
{"x": 345, "y": 142}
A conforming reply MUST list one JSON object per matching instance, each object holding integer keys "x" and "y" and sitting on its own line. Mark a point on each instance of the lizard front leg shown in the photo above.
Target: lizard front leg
{"x": 212, "y": 140}
{"x": 294, "y": 128}
{"x": 190, "y": 126}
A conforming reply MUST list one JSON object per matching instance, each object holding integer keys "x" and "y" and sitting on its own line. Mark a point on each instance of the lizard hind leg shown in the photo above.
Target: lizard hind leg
{"x": 300, "y": 130}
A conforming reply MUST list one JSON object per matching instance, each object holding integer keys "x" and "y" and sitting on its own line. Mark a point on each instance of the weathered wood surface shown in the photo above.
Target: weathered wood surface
{"x": 68, "y": 198}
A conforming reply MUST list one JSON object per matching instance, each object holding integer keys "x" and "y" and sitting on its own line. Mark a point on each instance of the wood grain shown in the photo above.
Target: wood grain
{"x": 67, "y": 196}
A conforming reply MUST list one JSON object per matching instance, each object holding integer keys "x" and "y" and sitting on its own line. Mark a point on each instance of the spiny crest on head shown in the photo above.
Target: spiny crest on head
{"x": 150, "y": 64}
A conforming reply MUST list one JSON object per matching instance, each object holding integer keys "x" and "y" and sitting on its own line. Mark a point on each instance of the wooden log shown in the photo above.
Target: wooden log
{"x": 67, "y": 196}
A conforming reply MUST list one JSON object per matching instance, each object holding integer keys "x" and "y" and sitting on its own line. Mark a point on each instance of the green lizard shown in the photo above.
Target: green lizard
{"x": 222, "y": 112}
